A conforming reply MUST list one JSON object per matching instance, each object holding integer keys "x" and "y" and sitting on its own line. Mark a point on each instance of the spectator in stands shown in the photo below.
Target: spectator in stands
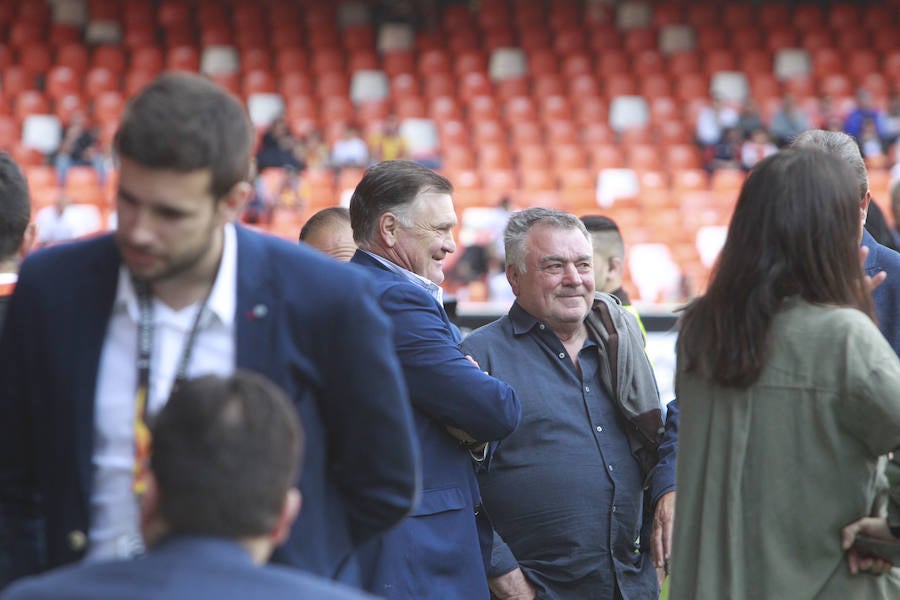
{"x": 220, "y": 496}
{"x": 388, "y": 144}
{"x": 279, "y": 148}
{"x": 749, "y": 119}
{"x": 895, "y": 211}
{"x": 788, "y": 122}
{"x": 179, "y": 270}
{"x": 880, "y": 259}
{"x": 17, "y": 234}
{"x": 403, "y": 219}
{"x": 80, "y": 146}
{"x": 315, "y": 150}
{"x": 726, "y": 154}
{"x": 713, "y": 121}
{"x": 63, "y": 221}
{"x": 350, "y": 150}
{"x": 871, "y": 145}
{"x": 329, "y": 231}
{"x": 865, "y": 109}
{"x": 609, "y": 260}
{"x": 572, "y": 476}
{"x": 789, "y": 395}
{"x": 892, "y": 119}
{"x": 828, "y": 117}
{"x": 758, "y": 147}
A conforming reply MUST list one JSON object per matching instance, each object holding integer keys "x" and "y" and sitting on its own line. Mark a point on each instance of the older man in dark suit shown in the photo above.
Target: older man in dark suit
{"x": 403, "y": 219}
{"x": 100, "y": 330}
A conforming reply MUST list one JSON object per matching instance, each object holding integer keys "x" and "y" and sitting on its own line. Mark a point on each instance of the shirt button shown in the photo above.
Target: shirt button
{"x": 542, "y": 327}
{"x": 613, "y": 508}
{"x": 587, "y": 388}
{"x": 599, "y": 429}
{"x": 77, "y": 540}
{"x": 610, "y": 467}
{"x": 562, "y": 354}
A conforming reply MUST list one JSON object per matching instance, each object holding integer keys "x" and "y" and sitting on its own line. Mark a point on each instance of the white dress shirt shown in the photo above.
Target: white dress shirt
{"x": 114, "y": 531}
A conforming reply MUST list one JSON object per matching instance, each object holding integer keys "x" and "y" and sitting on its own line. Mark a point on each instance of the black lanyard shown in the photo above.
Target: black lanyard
{"x": 145, "y": 345}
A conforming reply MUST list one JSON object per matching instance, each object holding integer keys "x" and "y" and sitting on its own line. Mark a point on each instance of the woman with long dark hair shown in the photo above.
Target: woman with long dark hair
{"x": 789, "y": 394}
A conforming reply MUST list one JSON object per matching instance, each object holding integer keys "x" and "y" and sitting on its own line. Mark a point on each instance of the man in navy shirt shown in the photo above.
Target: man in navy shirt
{"x": 565, "y": 491}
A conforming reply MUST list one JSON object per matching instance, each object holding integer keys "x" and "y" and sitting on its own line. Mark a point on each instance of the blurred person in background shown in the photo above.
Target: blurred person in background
{"x": 329, "y": 231}
{"x": 880, "y": 258}
{"x": 220, "y": 497}
{"x": 788, "y": 396}
{"x": 17, "y": 234}
{"x": 80, "y": 146}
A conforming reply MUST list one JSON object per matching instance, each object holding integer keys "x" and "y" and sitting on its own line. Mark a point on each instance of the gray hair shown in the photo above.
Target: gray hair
{"x": 840, "y": 145}
{"x": 521, "y": 222}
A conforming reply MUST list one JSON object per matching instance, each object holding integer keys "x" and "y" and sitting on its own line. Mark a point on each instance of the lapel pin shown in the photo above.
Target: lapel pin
{"x": 258, "y": 312}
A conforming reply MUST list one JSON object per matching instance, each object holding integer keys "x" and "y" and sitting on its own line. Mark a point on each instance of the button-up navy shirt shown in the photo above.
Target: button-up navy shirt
{"x": 564, "y": 491}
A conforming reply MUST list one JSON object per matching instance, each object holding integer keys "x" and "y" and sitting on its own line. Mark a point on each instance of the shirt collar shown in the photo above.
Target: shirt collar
{"x": 523, "y": 322}
{"x": 8, "y": 278}
{"x": 221, "y": 303}
{"x": 429, "y": 286}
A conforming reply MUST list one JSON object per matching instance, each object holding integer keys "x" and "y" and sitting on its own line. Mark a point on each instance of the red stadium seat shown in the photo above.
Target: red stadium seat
{"x": 98, "y": 80}
{"x": 62, "y": 81}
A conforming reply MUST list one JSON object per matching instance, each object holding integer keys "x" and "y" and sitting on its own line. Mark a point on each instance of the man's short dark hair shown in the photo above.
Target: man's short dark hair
{"x": 185, "y": 122}
{"x": 225, "y": 452}
{"x": 606, "y": 236}
{"x": 15, "y": 207}
{"x": 390, "y": 186}
{"x": 594, "y": 223}
{"x": 326, "y": 216}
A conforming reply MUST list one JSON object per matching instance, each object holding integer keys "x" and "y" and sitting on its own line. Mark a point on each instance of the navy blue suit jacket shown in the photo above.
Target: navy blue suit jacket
{"x": 185, "y": 568}
{"x": 441, "y": 551}
{"x": 887, "y": 295}
{"x": 322, "y": 337}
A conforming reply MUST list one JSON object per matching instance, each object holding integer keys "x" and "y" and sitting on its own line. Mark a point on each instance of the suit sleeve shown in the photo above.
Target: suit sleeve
{"x": 442, "y": 382}
{"x": 20, "y": 526}
{"x": 374, "y": 457}
{"x": 664, "y": 476}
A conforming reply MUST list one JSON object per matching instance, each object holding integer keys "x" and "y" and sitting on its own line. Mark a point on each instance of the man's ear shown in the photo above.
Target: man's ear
{"x": 615, "y": 267}
{"x": 233, "y": 202}
{"x": 864, "y": 205}
{"x": 388, "y": 228}
{"x": 512, "y": 276}
{"x": 28, "y": 240}
{"x": 289, "y": 512}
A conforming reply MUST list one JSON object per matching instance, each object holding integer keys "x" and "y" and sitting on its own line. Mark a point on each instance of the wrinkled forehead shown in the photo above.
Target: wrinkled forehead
{"x": 548, "y": 239}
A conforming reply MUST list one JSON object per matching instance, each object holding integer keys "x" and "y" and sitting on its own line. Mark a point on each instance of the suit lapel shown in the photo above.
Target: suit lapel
{"x": 256, "y": 306}
{"x": 96, "y": 293}
{"x": 363, "y": 259}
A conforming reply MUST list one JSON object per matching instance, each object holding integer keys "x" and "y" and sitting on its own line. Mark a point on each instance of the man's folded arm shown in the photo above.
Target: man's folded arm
{"x": 443, "y": 383}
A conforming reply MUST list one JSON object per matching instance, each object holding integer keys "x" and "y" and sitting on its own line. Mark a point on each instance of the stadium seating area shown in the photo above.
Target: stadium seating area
{"x": 533, "y": 99}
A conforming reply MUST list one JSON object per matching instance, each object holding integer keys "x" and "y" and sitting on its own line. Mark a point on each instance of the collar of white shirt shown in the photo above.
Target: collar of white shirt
{"x": 222, "y": 298}
{"x": 431, "y": 287}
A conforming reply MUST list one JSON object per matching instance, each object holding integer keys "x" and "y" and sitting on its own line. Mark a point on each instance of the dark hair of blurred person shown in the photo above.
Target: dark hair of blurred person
{"x": 793, "y": 232}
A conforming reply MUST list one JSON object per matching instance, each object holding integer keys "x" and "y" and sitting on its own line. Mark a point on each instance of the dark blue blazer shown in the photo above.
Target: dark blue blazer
{"x": 887, "y": 295}
{"x": 186, "y": 568}
{"x": 441, "y": 551}
{"x": 321, "y": 336}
